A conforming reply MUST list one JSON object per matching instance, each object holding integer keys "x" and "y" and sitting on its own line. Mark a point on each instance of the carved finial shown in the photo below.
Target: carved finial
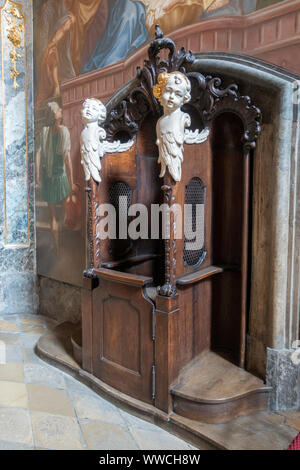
{"x": 158, "y": 32}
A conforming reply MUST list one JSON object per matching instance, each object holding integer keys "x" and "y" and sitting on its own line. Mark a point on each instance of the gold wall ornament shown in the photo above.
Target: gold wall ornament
{"x": 15, "y": 29}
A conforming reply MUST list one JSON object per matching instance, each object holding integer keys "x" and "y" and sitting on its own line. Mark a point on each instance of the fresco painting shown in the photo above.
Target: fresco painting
{"x": 74, "y": 37}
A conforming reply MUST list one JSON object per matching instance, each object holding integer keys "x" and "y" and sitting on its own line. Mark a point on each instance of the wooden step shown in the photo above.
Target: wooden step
{"x": 214, "y": 390}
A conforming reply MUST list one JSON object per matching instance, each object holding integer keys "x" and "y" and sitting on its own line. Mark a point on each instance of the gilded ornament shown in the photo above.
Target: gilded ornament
{"x": 15, "y": 34}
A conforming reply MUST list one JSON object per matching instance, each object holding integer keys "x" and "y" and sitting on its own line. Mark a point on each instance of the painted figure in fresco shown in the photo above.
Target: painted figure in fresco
{"x": 174, "y": 14}
{"x": 93, "y": 143}
{"x": 173, "y": 91}
{"x": 54, "y": 39}
{"x": 63, "y": 28}
{"x": 132, "y": 22}
{"x": 126, "y": 31}
{"x": 54, "y": 168}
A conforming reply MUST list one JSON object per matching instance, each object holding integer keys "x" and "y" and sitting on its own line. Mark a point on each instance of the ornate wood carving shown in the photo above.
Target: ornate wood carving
{"x": 209, "y": 100}
{"x": 169, "y": 287}
{"x": 93, "y": 219}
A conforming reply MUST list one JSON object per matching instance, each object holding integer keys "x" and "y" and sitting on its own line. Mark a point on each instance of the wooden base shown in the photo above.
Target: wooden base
{"x": 241, "y": 433}
{"x": 213, "y": 390}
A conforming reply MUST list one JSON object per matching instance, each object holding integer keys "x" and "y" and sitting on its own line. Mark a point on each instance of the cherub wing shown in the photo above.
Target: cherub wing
{"x": 196, "y": 137}
{"x": 90, "y": 159}
{"x": 116, "y": 146}
{"x": 171, "y": 147}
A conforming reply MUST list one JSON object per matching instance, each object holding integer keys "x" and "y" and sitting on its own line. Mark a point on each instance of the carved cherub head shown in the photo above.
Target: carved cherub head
{"x": 93, "y": 110}
{"x": 173, "y": 90}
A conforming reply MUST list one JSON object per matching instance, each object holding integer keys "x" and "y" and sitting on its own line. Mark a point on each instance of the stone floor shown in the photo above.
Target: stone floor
{"x": 41, "y": 407}
{"x": 44, "y": 408}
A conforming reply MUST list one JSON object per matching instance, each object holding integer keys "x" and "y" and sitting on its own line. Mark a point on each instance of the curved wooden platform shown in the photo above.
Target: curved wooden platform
{"x": 214, "y": 390}
{"x": 261, "y": 431}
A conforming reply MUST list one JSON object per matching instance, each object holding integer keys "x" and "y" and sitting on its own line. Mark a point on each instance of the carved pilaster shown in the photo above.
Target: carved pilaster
{"x": 169, "y": 287}
{"x": 93, "y": 219}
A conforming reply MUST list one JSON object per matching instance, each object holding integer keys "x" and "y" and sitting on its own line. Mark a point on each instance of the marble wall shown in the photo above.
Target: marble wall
{"x": 17, "y": 214}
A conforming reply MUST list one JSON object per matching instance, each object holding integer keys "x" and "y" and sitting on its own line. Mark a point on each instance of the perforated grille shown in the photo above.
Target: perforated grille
{"x": 120, "y": 196}
{"x": 195, "y": 193}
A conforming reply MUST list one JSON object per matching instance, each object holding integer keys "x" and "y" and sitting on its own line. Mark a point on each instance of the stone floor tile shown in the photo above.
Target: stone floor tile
{"x": 4, "y": 445}
{"x": 103, "y": 436}
{"x": 29, "y": 356}
{"x": 253, "y": 432}
{"x": 10, "y": 316}
{"x": 49, "y": 400}
{"x": 13, "y": 353}
{"x": 29, "y": 340}
{"x": 292, "y": 418}
{"x": 132, "y": 420}
{"x": 77, "y": 386}
{"x": 35, "y": 319}
{"x": 10, "y": 338}
{"x": 13, "y": 394}
{"x": 43, "y": 374}
{"x": 15, "y": 426}
{"x": 12, "y": 372}
{"x": 56, "y": 432}
{"x": 93, "y": 407}
{"x": 8, "y": 326}
{"x": 32, "y": 328}
{"x": 157, "y": 439}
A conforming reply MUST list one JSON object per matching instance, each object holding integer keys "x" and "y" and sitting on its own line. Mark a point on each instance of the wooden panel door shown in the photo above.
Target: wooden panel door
{"x": 122, "y": 338}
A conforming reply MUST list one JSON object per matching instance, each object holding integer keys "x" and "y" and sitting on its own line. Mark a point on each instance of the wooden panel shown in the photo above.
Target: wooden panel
{"x": 87, "y": 322}
{"x": 228, "y": 190}
{"x": 230, "y": 237}
{"x": 195, "y": 320}
{"x": 148, "y": 192}
{"x": 122, "y": 339}
{"x": 222, "y": 412}
{"x": 226, "y": 318}
{"x": 114, "y": 342}
{"x": 198, "y": 163}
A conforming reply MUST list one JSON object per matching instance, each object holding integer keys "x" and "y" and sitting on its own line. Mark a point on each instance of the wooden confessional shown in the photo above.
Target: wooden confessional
{"x": 161, "y": 323}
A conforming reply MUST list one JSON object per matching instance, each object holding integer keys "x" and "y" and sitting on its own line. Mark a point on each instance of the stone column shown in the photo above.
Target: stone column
{"x": 17, "y": 217}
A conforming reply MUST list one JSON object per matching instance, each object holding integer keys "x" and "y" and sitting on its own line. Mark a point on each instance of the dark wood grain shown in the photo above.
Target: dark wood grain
{"x": 235, "y": 392}
{"x": 123, "y": 278}
{"x": 199, "y": 275}
{"x": 122, "y": 338}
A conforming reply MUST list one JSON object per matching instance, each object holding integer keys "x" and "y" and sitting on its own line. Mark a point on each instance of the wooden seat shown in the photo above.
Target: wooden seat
{"x": 214, "y": 390}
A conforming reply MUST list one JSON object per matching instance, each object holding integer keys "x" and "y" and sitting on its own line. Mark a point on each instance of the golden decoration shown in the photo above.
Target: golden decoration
{"x": 159, "y": 88}
{"x": 15, "y": 35}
